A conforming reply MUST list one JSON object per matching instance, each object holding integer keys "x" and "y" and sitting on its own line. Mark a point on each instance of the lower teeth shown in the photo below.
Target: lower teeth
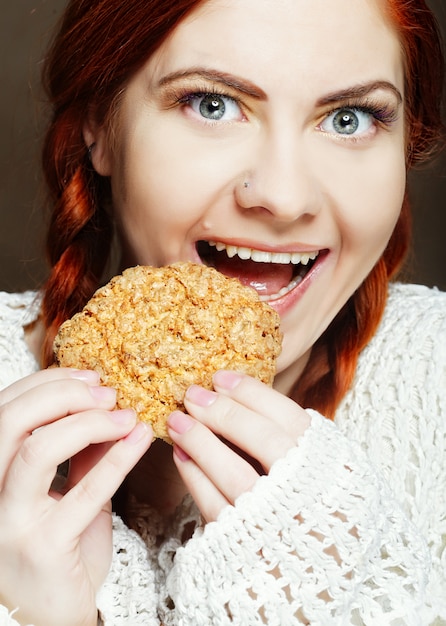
{"x": 275, "y": 296}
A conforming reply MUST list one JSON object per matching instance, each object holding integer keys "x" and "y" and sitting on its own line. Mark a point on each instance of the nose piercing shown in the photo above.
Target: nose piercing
{"x": 246, "y": 184}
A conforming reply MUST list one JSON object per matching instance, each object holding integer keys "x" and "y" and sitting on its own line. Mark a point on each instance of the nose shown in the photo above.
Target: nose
{"x": 280, "y": 182}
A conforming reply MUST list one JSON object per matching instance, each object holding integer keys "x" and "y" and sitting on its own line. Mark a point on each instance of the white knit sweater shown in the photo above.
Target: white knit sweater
{"x": 349, "y": 528}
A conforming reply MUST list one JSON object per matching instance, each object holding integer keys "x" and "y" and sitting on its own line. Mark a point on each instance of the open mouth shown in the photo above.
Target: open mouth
{"x": 271, "y": 274}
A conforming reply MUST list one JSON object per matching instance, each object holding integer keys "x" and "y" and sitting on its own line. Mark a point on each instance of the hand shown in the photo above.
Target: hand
{"x": 55, "y": 548}
{"x": 261, "y": 423}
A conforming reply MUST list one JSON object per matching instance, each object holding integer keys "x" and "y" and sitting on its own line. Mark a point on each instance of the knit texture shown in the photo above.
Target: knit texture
{"x": 348, "y": 528}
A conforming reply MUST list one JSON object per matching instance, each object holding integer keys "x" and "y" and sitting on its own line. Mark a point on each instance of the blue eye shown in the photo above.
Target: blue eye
{"x": 212, "y": 107}
{"x": 215, "y": 107}
{"x": 348, "y": 121}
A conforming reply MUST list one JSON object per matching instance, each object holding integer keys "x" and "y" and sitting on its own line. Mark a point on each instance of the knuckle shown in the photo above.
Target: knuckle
{"x": 86, "y": 490}
{"x": 113, "y": 463}
{"x": 68, "y": 388}
{"x": 229, "y": 414}
{"x": 33, "y": 450}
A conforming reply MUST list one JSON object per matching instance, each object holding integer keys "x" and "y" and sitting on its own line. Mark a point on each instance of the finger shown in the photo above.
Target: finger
{"x": 52, "y": 400}
{"x": 45, "y": 376}
{"x": 88, "y": 497}
{"x": 43, "y": 404}
{"x": 209, "y": 500}
{"x": 31, "y": 473}
{"x": 257, "y": 435}
{"x": 256, "y": 396}
{"x": 231, "y": 474}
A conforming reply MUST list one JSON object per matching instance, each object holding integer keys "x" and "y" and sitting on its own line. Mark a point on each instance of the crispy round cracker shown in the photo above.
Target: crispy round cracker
{"x": 152, "y": 332}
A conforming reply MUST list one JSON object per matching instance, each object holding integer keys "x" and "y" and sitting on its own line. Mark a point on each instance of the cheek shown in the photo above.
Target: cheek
{"x": 150, "y": 184}
{"x": 167, "y": 174}
{"x": 373, "y": 203}
{"x": 163, "y": 187}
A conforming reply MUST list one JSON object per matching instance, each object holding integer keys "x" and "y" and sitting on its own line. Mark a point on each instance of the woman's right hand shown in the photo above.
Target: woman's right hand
{"x": 55, "y": 548}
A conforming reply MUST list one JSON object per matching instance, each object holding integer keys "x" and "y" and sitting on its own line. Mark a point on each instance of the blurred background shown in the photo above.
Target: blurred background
{"x": 24, "y": 31}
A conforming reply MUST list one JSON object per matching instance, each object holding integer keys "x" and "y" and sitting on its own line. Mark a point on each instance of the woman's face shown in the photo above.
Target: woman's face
{"x": 266, "y": 138}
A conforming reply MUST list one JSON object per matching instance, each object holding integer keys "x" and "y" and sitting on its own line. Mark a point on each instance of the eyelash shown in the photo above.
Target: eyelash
{"x": 384, "y": 114}
{"x": 183, "y": 96}
{"x": 187, "y": 95}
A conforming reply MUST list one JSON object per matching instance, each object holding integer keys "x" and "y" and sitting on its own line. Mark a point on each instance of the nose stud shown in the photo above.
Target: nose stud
{"x": 246, "y": 184}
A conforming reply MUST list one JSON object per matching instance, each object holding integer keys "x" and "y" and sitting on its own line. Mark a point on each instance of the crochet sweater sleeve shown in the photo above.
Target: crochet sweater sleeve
{"x": 349, "y": 528}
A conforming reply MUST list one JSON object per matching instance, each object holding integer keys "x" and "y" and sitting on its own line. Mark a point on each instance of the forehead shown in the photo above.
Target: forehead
{"x": 290, "y": 40}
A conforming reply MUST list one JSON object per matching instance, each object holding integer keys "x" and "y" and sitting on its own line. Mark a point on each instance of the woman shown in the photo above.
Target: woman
{"x": 271, "y": 140}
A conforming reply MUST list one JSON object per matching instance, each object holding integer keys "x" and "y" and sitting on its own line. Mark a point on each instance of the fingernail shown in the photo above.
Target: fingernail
{"x": 227, "y": 379}
{"x": 140, "y": 431}
{"x": 86, "y": 376}
{"x": 123, "y": 416}
{"x": 181, "y": 454}
{"x": 180, "y": 422}
{"x": 103, "y": 394}
{"x": 200, "y": 396}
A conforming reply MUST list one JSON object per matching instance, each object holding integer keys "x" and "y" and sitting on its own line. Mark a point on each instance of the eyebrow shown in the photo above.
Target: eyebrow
{"x": 229, "y": 80}
{"x": 249, "y": 88}
{"x": 359, "y": 91}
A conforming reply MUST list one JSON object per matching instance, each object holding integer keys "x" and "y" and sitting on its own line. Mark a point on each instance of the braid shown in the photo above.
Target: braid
{"x": 98, "y": 45}
{"x": 78, "y": 244}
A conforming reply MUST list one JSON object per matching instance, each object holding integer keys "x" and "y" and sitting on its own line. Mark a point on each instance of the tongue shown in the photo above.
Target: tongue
{"x": 266, "y": 278}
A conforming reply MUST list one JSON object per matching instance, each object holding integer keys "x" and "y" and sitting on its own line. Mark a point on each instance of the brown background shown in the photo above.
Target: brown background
{"x": 24, "y": 29}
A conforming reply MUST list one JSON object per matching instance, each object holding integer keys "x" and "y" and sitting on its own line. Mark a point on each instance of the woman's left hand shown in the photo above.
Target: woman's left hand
{"x": 230, "y": 436}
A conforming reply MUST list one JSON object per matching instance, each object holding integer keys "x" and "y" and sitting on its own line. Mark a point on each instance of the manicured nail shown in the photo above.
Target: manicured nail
{"x": 200, "y": 396}
{"x": 140, "y": 431}
{"x": 86, "y": 376}
{"x": 103, "y": 394}
{"x": 123, "y": 416}
{"x": 227, "y": 379}
{"x": 181, "y": 454}
{"x": 180, "y": 422}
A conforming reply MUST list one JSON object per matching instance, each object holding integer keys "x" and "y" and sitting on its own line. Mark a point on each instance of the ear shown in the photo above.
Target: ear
{"x": 96, "y": 140}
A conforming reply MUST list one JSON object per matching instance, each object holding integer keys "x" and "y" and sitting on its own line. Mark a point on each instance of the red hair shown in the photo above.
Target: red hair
{"x": 99, "y": 46}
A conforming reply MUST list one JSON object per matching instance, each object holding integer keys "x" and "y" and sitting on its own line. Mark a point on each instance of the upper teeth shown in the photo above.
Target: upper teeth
{"x": 261, "y": 256}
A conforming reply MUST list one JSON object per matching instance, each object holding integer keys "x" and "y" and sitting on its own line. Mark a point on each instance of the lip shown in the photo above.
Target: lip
{"x": 264, "y": 247}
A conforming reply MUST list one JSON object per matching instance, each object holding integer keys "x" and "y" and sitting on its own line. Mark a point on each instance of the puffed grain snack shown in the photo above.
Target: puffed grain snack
{"x": 152, "y": 332}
